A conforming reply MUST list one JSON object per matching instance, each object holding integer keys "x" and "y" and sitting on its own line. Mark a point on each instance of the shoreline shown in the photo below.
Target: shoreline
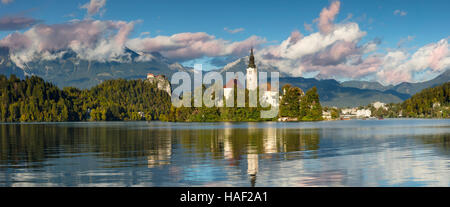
{"x": 87, "y": 122}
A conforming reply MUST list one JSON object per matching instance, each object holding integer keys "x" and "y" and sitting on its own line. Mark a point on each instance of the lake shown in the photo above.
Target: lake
{"x": 391, "y": 152}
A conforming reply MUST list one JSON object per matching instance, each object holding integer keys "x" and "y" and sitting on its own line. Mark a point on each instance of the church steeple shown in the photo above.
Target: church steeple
{"x": 251, "y": 61}
{"x": 252, "y": 77}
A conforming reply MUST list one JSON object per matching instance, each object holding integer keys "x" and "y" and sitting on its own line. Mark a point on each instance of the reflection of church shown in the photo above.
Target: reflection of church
{"x": 160, "y": 155}
{"x": 262, "y": 144}
{"x": 252, "y": 165}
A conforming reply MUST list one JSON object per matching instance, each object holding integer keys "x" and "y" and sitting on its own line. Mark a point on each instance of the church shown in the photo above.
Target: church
{"x": 270, "y": 97}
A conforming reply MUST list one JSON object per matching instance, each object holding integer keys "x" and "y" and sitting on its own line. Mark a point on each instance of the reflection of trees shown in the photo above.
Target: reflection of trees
{"x": 36, "y": 142}
{"x": 25, "y": 143}
{"x": 439, "y": 141}
{"x": 28, "y": 145}
{"x": 232, "y": 143}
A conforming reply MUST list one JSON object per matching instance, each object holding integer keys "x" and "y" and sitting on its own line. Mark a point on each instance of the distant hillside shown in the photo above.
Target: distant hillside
{"x": 403, "y": 88}
{"x": 431, "y": 102}
{"x": 366, "y": 85}
{"x": 331, "y": 93}
{"x": 413, "y": 88}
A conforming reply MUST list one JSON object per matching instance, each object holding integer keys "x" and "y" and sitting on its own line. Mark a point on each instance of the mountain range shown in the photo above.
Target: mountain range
{"x": 69, "y": 70}
{"x": 349, "y": 93}
{"x": 405, "y": 88}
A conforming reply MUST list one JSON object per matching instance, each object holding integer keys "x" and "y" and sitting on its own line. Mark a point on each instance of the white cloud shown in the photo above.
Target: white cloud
{"x": 336, "y": 51}
{"x": 233, "y": 31}
{"x": 91, "y": 40}
{"x": 321, "y": 52}
{"x": 105, "y": 40}
{"x": 94, "y": 6}
{"x": 399, "y": 66}
{"x": 186, "y": 46}
{"x": 400, "y": 12}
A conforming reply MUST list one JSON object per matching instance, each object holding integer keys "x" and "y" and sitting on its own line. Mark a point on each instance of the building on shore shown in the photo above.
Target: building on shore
{"x": 326, "y": 115}
{"x": 355, "y": 113}
{"x": 378, "y": 105}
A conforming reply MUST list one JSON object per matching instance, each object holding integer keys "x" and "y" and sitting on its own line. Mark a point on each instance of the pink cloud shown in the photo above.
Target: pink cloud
{"x": 16, "y": 41}
{"x": 16, "y": 23}
{"x": 99, "y": 40}
{"x": 233, "y": 31}
{"x": 360, "y": 69}
{"x": 395, "y": 76}
{"x": 295, "y": 37}
{"x": 308, "y": 27}
{"x": 7, "y": 1}
{"x": 94, "y": 6}
{"x": 184, "y": 46}
{"x": 336, "y": 53}
{"x": 400, "y": 66}
{"x": 327, "y": 16}
{"x": 438, "y": 54}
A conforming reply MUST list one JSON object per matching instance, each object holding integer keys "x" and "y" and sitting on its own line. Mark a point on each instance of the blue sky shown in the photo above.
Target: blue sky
{"x": 414, "y": 25}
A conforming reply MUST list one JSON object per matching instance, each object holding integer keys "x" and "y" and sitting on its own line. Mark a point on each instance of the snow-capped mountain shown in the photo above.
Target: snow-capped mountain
{"x": 65, "y": 68}
{"x": 240, "y": 65}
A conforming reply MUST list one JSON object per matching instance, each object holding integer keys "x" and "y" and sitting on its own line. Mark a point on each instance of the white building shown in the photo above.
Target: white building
{"x": 378, "y": 105}
{"x": 349, "y": 111}
{"x": 326, "y": 115}
{"x": 269, "y": 96}
{"x": 228, "y": 88}
{"x": 356, "y": 113}
{"x": 363, "y": 113}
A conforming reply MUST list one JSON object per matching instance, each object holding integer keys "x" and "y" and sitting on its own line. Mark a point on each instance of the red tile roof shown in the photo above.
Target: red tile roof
{"x": 232, "y": 82}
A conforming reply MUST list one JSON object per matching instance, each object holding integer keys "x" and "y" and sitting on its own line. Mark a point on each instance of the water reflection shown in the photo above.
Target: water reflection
{"x": 236, "y": 154}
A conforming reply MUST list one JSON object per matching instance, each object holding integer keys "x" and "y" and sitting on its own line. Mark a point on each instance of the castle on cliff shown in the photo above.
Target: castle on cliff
{"x": 161, "y": 82}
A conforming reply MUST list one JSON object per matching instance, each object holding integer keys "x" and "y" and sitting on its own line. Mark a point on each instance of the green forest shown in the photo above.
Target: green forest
{"x": 34, "y": 100}
{"x": 429, "y": 103}
{"x": 297, "y": 104}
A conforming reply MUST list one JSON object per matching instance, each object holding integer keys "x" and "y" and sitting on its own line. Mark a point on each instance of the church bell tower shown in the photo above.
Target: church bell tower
{"x": 252, "y": 73}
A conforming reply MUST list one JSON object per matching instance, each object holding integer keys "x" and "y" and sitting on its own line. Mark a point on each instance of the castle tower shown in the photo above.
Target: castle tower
{"x": 252, "y": 73}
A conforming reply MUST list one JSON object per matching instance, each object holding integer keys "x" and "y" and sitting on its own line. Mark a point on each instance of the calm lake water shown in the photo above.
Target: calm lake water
{"x": 341, "y": 153}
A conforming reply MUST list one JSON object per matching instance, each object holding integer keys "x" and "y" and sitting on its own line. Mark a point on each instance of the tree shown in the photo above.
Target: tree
{"x": 33, "y": 99}
{"x": 310, "y": 108}
{"x": 291, "y": 101}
